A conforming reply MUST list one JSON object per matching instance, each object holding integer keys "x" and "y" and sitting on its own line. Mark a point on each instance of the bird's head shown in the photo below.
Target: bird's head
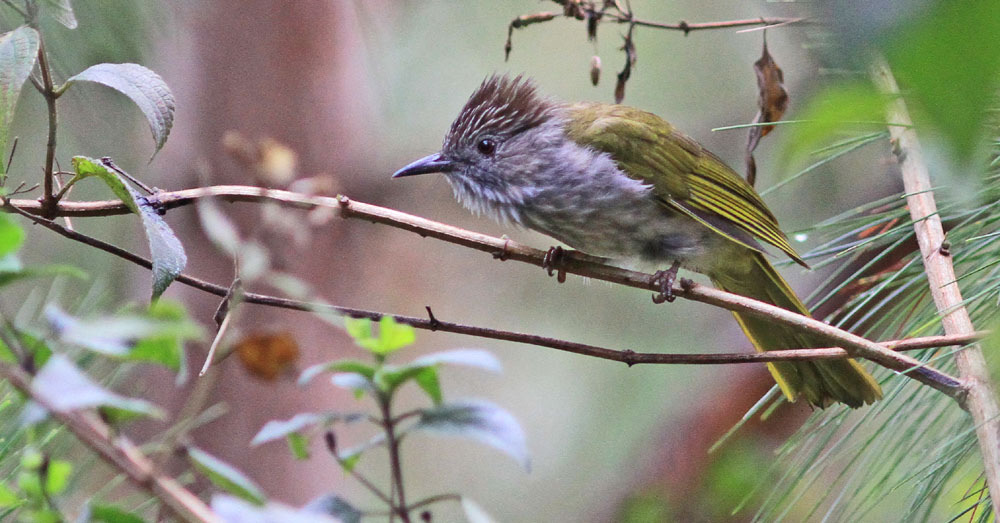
{"x": 495, "y": 144}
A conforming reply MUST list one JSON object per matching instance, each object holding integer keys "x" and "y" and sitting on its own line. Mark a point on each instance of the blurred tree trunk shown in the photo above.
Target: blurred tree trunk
{"x": 281, "y": 71}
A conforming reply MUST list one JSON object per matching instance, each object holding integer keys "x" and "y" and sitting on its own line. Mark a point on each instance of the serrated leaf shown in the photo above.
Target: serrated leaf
{"x": 225, "y": 476}
{"x": 144, "y": 87}
{"x": 336, "y": 366}
{"x": 110, "y": 514}
{"x": 481, "y": 421}
{"x": 473, "y": 512}
{"x": 334, "y": 505}
{"x": 11, "y": 236}
{"x": 61, "y": 11}
{"x": 64, "y": 388}
{"x": 234, "y": 510}
{"x": 169, "y": 258}
{"x": 18, "y": 53}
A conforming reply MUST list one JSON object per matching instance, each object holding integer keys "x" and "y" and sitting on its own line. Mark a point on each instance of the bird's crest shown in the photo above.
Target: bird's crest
{"x": 501, "y": 106}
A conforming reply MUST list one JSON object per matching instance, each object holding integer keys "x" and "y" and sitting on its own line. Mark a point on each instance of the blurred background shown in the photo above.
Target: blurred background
{"x": 351, "y": 91}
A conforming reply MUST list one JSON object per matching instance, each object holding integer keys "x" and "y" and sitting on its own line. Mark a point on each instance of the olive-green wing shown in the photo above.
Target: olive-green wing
{"x": 685, "y": 177}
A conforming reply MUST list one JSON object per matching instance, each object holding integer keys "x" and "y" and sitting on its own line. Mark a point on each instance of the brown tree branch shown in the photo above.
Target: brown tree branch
{"x": 627, "y": 356}
{"x": 118, "y": 452}
{"x": 981, "y": 394}
{"x": 504, "y": 249}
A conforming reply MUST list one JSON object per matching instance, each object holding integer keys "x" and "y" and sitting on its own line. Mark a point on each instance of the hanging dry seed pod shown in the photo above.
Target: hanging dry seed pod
{"x": 595, "y": 69}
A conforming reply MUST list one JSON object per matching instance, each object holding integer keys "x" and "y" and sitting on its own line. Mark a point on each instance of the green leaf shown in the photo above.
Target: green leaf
{"x": 144, "y": 87}
{"x": 277, "y": 429}
{"x": 946, "y": 60}
{"x": 334, "y": 505}
{"x": 478, "y": 420}
{"x": 166, "y": 250}
{"x": 110, "y": 514}
{"x": 355, "y": 382}
{"x": 29, "y": 483}
{"x": 336, "y": 366}
{"x": 349, "y": 458}
{"x": 167, "y": 347}
{"x": 299, "y": 445}
{"x": 393, "y": 336}
{"x": 10, "y": 275}
{"x": 18, "y": 53}
{"x": 423, "y": 370}
{"x": 86, "y": 167}
{"x": 832, "y": 112}
{"x": 57, "y": 476}
{"x": 359, "y": 328}
{"x": 64, "y": 388}
{"x": 160, "y": 338}
{"x": 8, "y": 498}
{"x": 477, "y": 358}
{"x": 225, "y": 476}
{"x": 428, "y": 381}
{"x": 61, "y": 11}
{"x": 11, "y": 236}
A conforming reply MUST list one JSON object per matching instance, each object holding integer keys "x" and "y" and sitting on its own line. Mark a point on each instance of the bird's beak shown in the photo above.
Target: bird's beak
{"x": 434, "y": 163}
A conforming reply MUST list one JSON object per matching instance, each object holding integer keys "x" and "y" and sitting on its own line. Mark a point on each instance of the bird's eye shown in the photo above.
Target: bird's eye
{"x": 486, "y": 146}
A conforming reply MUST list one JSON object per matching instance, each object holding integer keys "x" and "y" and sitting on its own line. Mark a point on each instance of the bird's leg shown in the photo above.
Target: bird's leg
{"x": 552, "y": 262}
{"x": 665, "y": 281}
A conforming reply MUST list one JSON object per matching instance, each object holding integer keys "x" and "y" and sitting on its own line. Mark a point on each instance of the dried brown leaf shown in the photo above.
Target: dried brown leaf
{"x": 772, "y": 101}
{"x": 268, "y": 355}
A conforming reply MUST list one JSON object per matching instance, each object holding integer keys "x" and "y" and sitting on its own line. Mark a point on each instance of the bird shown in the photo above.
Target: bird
{"x": 618, "y": 182}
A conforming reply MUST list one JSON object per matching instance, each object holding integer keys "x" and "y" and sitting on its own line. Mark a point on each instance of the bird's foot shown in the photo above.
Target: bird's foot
{"x": 552, "y": 262}
{"x": 664, "y": 280}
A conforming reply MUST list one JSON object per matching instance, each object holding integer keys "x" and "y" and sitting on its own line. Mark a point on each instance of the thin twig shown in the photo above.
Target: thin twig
{"x": 118, "y": 452}
{"x": 392, "y": 444}
{"x": 981, "y": 398}
{"x": 503, "y": 249}
{"x": 435, "y": 499}
{"x": 626, "y": 356}
{"x": 48, "y": 92}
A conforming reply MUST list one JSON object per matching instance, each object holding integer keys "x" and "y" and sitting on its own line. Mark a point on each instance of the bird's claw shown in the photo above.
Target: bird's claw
{"x": 664, "y": 280}
{"x": 552, "y": 262}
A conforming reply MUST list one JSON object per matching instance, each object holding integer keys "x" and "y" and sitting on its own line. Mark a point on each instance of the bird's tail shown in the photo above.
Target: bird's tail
{"x": 820, "y": 382}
